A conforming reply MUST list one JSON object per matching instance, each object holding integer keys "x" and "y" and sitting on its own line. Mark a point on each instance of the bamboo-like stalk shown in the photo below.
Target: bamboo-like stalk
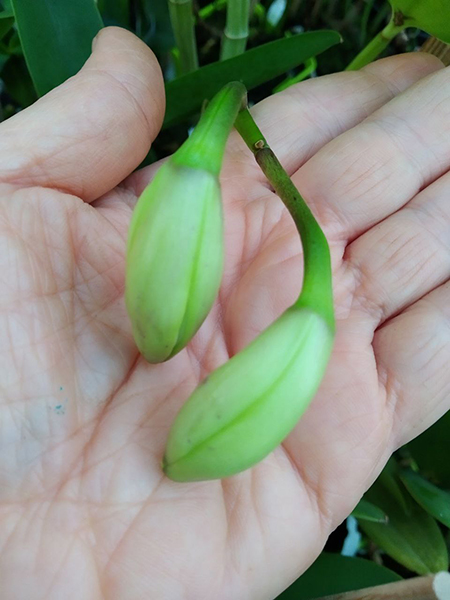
{"x": 430, "y": 587}
{"x": 182, "y": 19}
{"x": 236, "y": 30}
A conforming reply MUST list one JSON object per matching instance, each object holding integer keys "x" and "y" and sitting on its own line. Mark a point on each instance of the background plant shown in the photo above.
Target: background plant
{"x": 402, "y": 524}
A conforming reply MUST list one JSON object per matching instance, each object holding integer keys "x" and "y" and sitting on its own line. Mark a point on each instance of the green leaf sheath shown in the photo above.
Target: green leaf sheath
{"x": 185, "y": 95}
{"x": 182, "y": 18}
{"x": 317, "y": 292}
{"x": 56, "y": 37}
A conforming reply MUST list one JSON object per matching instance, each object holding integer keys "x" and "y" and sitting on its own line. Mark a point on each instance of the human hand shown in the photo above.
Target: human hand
{"x": 85, "y": 511}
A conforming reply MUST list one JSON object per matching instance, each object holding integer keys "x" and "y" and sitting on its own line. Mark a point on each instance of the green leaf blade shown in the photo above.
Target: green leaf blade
{"x": 435, "y": 501}
{"x": 430, "y": 449}
{"x": 335, "y": 574}
{"x": 115, "y": 12}
{"x": 411, "y": 536}
{"x": 185, "y": 95}
{"x": 366, "y": 511}
{"x": 6, "y": 23}
{"x": 56, "y": 37}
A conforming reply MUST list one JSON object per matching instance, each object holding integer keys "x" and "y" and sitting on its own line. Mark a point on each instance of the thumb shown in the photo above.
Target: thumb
{"x": 87, "y": 135}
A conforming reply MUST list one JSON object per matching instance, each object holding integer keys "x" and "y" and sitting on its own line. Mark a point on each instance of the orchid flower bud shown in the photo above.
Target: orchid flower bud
{"x": 245, "y": 408}
{"x": 175, "y": 243}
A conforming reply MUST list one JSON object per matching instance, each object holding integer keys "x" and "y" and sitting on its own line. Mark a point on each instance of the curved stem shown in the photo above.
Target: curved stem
{"x": 317, "y": 292}
{"x": 376, "y": 46}
{"x": 182, "y": 19}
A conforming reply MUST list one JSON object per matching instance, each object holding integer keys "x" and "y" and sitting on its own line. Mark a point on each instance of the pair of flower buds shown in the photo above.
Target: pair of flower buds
{"x": 246, "y": 407}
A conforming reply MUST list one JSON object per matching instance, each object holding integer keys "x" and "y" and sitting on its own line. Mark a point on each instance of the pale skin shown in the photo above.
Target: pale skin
{"x": 85, "y": 511}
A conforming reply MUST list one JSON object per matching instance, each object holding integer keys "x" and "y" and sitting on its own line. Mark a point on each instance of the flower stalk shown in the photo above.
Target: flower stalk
{"x": 316, "y": 290}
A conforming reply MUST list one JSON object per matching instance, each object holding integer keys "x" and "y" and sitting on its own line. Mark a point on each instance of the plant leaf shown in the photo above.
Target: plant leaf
{"x": 411, "y": 536}
{"x": 430, "y": 449}
{"x": 6, "y": 22}
{"x": 334, "y": 574}
{"x": 431, "y": 498}
{"x": 56, "y": 38}
{"x": 366, "y": 511}
{"x": 186, "y": 94}
{"x": 3, "y": 59}
{"x": 115, "y": 12}
{"x": 159, "y": 35}
{"x": 18, "y": 82}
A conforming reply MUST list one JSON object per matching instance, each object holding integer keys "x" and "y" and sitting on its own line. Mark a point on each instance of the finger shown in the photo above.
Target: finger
{"x": 404, "y": 257}
{"x": 87, "y": 135}
{"x": 371, "y": 171}
{"x": 300, "y": 120}
{"x": 413, "y": 352}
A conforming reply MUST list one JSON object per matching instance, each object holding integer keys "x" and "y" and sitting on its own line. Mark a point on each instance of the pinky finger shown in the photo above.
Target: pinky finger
{"x": 413, "y": 355}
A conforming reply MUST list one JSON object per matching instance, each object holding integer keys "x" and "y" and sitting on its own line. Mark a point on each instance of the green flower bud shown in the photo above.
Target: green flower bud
{"x": 433, "y": 16}
{"x": 245, "y": 409}
{"x": 175, "y": 246}
{"x": 175, "y": 257}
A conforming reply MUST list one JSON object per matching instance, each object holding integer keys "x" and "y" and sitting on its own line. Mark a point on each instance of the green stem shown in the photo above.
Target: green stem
{"x": 317, "y": 292}
{"x": 310, "y": 67}
{"x": 236, "y": 30}
{"x": 182, "y": 19}
{"x": 210, "y": 9}
{"x": 375, "y": 47}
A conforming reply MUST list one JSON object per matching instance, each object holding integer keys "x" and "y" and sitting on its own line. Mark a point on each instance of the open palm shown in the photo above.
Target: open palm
{"x": 85, "y": 511}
